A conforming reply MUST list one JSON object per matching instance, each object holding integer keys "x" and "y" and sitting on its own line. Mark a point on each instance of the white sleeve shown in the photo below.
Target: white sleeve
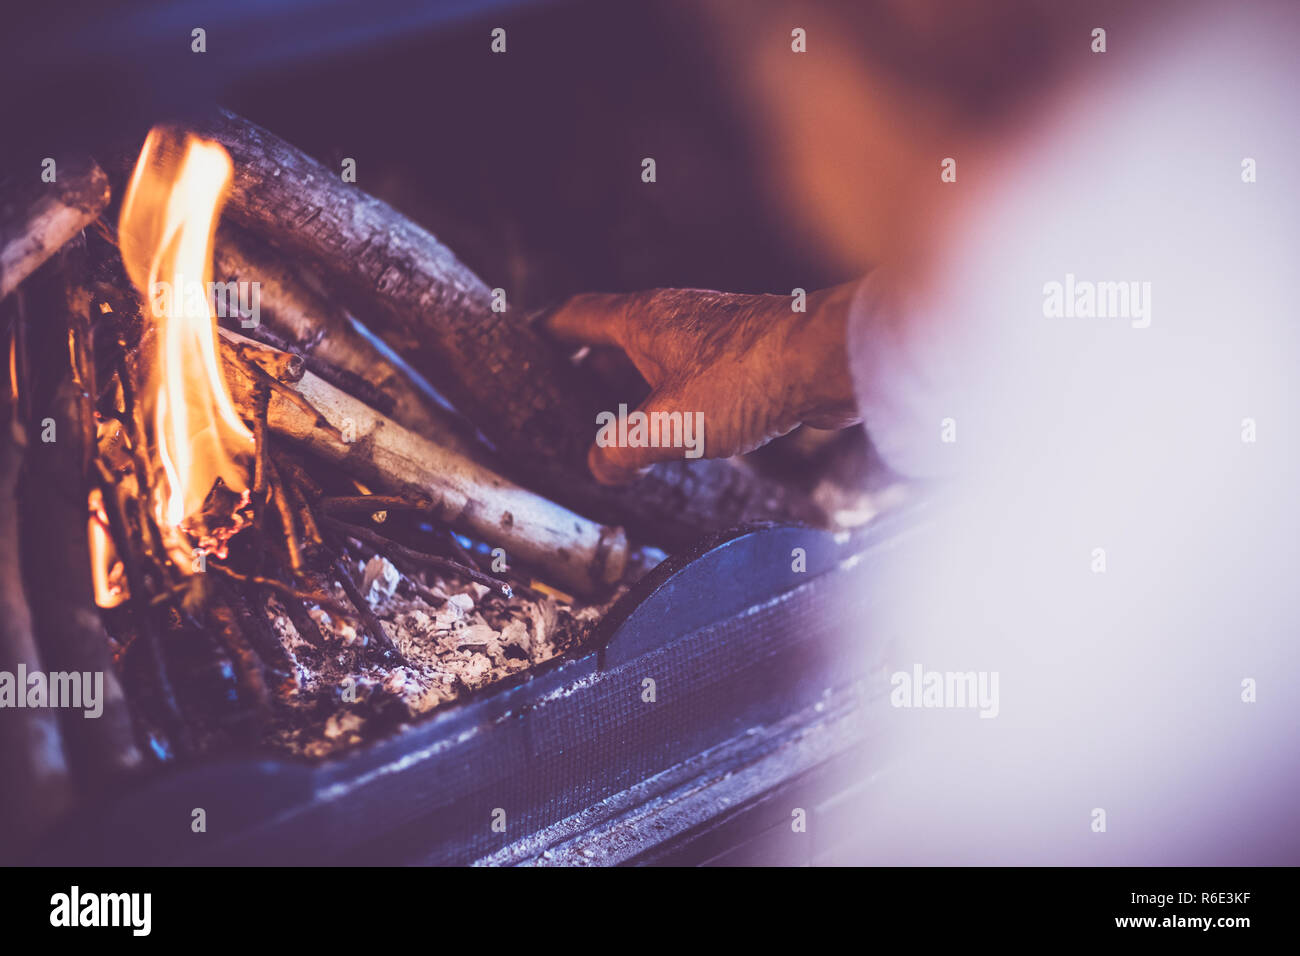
{"x": 908, "y": 377}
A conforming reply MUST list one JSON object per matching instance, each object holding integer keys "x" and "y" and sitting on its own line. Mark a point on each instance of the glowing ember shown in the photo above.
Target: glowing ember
{"x": 166, "y": 232}
{"x": 107, "y": 570}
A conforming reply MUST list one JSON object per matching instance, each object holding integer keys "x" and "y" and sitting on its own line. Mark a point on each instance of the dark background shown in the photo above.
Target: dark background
{"x": 527, "y": 164}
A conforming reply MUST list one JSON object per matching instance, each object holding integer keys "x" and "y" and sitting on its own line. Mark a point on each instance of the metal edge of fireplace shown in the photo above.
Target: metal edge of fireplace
{"x": 737, "y": 641}
{"x": 736, "y": 802}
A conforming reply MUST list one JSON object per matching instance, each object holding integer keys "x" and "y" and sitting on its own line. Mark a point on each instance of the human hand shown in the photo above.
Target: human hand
{"x": 754, "y": 368}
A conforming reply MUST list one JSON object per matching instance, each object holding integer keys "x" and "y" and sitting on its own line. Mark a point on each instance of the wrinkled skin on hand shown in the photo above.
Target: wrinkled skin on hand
{"x": 752, "y": 365}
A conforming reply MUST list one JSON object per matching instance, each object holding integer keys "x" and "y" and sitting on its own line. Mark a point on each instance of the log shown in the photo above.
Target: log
{"x": 515, "y": 386}
{"x": 580, "y": 553}
{"x": 54, "y": 493}
{"x": 38, "y": 218}
{"x": 410, "y": 561}
{"x": 325, "y": 336}
{"x": 36, "y": 787}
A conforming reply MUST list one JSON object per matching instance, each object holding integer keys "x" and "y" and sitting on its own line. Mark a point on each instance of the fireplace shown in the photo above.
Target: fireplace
{"x": 308, "y": 494}
{"x": 764, "y": 690}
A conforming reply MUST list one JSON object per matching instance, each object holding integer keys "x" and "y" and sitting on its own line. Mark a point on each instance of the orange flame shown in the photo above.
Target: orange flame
{"x": 107, "y": 571}
{"x": 166, "y": 231}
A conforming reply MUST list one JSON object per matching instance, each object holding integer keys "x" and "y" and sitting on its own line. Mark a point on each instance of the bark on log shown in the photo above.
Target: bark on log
{"x": 319, "y": 329}
{"x": 580, "y": 553}
{"x": 55, "y": 513}
{"x": 516, "y": 387}
{"x": 36, "y": 787}
{"x": 37, "y": 218}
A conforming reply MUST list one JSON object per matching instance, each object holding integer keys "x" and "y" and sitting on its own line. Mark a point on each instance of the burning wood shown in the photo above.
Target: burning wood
{"x": 248, "y": 504}
{"x": 293, "y": 316}
{"x": 167, "y": 222}
{"x": 577, "y": 552}
{"x": 437, "y": 314}
{"x": 56, "y": 494}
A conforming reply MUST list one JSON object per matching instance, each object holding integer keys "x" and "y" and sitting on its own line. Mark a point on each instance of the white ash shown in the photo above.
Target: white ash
{"x": 344, "y": 725}
{"x": 453, "y": 637}
{"x": 379, "y": 579}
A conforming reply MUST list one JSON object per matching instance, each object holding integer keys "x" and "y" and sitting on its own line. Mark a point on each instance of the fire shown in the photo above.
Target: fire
{"x": 166, "y": 231}
{"x": 107, "y": 571}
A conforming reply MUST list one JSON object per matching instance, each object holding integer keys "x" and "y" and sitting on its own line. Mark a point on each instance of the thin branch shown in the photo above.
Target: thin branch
{"x": 310, "y": 530}
{"x": 289, "y": 466}
{"x": 391, "y": 549}
{"x": 373, "y": 624}
{"x": 263, "y": 377}
{"x": 335, "y": 505}
{"x": 261, "y": 400}
{"x": 323, "y": 600}
{"x": 281, "y": 499}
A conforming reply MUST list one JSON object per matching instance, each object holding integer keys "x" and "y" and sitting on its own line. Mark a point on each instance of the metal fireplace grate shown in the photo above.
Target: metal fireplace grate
{"x": 738, "y": 646}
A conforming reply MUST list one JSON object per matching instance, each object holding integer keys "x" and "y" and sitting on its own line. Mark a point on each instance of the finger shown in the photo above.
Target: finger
{"x": 617, "y": 466}
{"x": 594, "y": 318}
{"x": 621, "y": 454}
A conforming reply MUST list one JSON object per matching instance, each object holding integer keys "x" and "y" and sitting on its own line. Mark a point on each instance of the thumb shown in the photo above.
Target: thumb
{"x": 623, "y": 450}
{"x": 589, "y": 319}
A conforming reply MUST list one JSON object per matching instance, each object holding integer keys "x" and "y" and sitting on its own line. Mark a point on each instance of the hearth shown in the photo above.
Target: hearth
{"x": 765, "y": 683}
{"x": 305, "y": 501}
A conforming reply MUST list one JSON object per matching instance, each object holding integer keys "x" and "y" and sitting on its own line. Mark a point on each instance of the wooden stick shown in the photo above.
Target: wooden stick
{"x": 280, "y": 365}
{"x": 436, "y": 314}
{"x": 280, "y": 496}
{"x": 261, "y": 404}
{"x": 37, "y": 218}
{"x": 373, "y": 624}
{"x": 260, "y": 376}
{"x": 284, "y": 590}
{"x": 145, "y": 623}
{"x": 370, "y": 504}
{"x": 36, "y": 785}
{"x": 262, "y": 636}
{"x": 580, "y": 553}
{"x": 465, "y": 557}
{"x": 330, "y": 343}
{"x": 303, "y": 622}
{"x": 310, "y": 529}
{"x": 224, "y": 620}
{"x": 290, "y": 466}
{"x": 404, "y": 555}
{"x": 56, "y": 510}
